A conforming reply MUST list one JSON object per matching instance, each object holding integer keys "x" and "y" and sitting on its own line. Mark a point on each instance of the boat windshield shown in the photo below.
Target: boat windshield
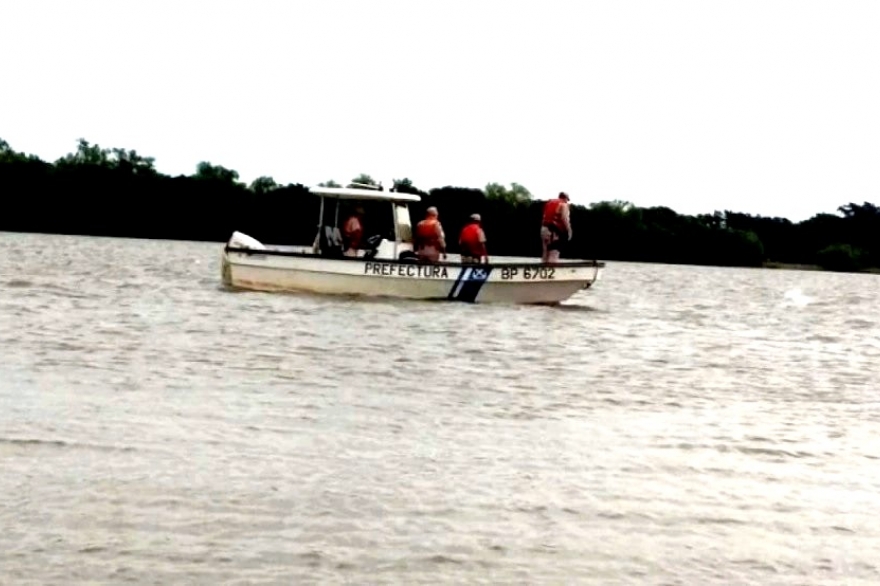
{"x": 403, "y": 221}
{"x": 375, "y": 219}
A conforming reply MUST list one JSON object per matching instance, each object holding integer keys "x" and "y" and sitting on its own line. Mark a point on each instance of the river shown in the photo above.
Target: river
{"x": 671, "y": 425}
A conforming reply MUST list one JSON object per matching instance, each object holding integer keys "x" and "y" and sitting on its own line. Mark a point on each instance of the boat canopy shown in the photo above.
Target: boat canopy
{"x": 356, "y": 193}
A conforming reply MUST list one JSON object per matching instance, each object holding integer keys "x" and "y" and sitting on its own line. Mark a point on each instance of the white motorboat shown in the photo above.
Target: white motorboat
{"x": 388, "y": 266}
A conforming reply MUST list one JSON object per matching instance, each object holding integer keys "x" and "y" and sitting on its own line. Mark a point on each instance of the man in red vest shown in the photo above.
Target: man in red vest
{"x": 472, "y": 242}
{"x": 429, "y": 238}
{"x": 555, "y": 227}
{"x": 353, "y": 232}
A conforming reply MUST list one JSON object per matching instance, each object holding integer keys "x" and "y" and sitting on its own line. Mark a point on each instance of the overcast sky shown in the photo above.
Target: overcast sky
{"x": 766, "y": 107}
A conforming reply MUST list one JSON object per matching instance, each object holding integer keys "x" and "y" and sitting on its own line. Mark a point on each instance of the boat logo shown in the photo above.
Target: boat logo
{"x": 468, "y": 284}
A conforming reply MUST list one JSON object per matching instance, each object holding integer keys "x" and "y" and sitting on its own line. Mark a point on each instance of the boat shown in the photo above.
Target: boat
{"x": 388, "y": 266}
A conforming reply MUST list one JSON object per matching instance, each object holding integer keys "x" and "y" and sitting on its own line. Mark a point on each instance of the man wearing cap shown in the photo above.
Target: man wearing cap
{"x": 472, "y": 242}
{"x": 555, "y": 227}
{"x": 430, "y": 240}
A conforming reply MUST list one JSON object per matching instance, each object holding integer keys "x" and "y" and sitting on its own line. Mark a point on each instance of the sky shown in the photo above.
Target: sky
{"x": 769, "y": 107}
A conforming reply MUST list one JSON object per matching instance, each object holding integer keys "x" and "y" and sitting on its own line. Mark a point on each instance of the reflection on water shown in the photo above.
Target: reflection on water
{"x": 670, "y": 425}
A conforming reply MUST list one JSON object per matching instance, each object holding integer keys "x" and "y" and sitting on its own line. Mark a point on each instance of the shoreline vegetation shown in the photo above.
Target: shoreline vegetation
{"x": 98, "y": 191}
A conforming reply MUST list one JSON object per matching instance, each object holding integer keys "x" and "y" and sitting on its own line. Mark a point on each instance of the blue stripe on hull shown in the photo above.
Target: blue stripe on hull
{"x": 457, "y": 284}
{"x": 469, "y": 282}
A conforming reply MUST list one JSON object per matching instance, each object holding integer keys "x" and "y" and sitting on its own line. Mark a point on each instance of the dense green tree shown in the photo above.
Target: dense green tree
{"x": 118, "y": 192}
{"x": 205, "y": 170}
{"x": 405, "y": 185}
{"x": 516, "y": 195}
{"x": 262, "y": 185}
{"x": 841, "y": 257}
{"x": 365, "y": 179}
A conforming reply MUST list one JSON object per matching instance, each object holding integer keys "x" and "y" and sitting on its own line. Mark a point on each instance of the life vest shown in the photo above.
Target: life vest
{"x": 427, "y": 233}
{"x": 353, "y": 232}
{"x": 551, "y": 213}
{"x": 469, "y": 240}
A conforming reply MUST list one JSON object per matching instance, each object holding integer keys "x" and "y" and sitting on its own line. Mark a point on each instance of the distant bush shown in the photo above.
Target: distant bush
{"x": 842, "y": 257}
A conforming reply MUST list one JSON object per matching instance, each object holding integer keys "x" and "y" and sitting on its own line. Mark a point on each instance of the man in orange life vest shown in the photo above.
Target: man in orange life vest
{"x": 430, "y": 240}
{"x": 353, "y": 232}
{"x": 472, "y": 242}
{"x": 555, "y": 227}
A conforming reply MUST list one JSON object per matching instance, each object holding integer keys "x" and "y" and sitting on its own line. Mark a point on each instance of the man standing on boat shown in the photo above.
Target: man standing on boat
{"x": 430, "y": 240}
{"x": 555, "y": 227}
{"x": 353, "y": 232}
{"x": 472, "y": 242}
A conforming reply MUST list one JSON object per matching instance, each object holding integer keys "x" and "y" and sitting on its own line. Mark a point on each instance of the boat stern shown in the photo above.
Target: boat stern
{"x": 225, "y": 269}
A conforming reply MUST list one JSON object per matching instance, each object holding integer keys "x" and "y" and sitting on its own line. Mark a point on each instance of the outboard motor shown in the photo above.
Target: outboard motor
{"x": 239, "y": 240}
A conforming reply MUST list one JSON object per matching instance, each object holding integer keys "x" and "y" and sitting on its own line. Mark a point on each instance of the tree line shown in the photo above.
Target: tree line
{"x": 118, "y": 192}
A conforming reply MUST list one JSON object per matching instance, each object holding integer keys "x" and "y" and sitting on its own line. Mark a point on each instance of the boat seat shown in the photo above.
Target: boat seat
{"x": 331, "y": 242}
{"x": 408, "y": 256}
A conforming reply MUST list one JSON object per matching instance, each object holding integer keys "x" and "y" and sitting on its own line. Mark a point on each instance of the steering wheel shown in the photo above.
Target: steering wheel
{"x": 373, "y": 242}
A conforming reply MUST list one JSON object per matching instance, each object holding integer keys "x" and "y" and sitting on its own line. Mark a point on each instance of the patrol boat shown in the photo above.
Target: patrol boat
{"x": 388, "y": 266}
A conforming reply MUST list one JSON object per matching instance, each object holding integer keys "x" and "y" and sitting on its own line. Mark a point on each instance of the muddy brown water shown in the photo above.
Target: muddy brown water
{"x": 672, "y": 425}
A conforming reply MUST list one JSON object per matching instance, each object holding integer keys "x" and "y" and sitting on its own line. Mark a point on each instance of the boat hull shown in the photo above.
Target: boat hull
{"x": 518, "y": 283}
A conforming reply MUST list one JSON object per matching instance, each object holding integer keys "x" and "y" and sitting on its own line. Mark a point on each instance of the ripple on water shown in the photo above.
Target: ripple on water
{"x": 156, "y": 428}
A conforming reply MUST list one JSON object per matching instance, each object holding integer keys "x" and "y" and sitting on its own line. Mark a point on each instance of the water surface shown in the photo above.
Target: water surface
{"x": 672, "y": 425}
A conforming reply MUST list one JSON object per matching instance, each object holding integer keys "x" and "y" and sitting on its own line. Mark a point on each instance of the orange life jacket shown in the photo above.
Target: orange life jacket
{"x": 353, "y": 232}
{"x": 551, "y": 213}
{"x": 469, "y": 240}
{"x": 427, "y": 233}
